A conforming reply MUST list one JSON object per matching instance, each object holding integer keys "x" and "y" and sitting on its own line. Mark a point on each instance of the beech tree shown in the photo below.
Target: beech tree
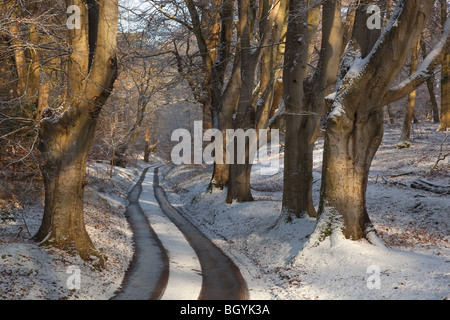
{"x": 66, "y": 131}
{"x": 445, "y": 77}
{"x": 251, "y": 114}
{"x": 355, "y": 124}
{"x": 231, "y": 54}
{"x": 305, "y": 97}
{"x": 217, "y": 55}
{"x": 405, "y": 135}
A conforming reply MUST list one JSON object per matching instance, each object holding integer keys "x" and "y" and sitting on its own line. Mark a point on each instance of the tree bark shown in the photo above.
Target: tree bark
{"x": 250, "y": 116}
{"x": 355, "y": 125}
{"x": 405, "y": 137}
{"x": 64, "y": 181}
{"x": 239, "y": 175}
{"x": 305, "y": 105}
{"x": 445, "y": 94}
{"x": 445, "y": 77}
{"x": 66, "y": 133}
{"x": 295, "y": 65}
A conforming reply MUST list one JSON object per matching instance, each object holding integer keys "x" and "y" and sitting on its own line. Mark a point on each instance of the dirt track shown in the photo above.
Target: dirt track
{"x": 149, "y": 272}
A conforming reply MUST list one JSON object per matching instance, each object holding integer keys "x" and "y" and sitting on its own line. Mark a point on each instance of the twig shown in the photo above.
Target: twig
{"x": 441, "y": 156}
{"x": 398, "y": 174}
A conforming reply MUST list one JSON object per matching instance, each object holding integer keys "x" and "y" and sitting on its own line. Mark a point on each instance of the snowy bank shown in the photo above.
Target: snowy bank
{"x": 273, "y": 257}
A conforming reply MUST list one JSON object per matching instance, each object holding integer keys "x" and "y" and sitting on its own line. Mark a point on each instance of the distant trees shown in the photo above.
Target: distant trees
{"x": 241, "y": 49}
{"x": 32, "y": 51}
{"x": 314, "y": 67}
{"x": 143, "y": 60}
{"x": 29, "y": 38}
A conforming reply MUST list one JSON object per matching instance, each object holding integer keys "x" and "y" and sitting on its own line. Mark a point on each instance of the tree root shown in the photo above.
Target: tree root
{"x": 87, "y": 251}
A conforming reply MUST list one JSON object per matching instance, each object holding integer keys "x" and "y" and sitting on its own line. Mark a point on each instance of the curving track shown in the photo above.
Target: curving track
{"x": 173, "y": 259}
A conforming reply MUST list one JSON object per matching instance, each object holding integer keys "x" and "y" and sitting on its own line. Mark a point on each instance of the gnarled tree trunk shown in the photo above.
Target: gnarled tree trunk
{"x": 355, "y": 126}
{"x": 66, "y": 132}
{"x": 65, "y": 152}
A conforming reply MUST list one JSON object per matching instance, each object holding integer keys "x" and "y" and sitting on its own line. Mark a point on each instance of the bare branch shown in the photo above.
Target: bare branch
{"x": 424, "y": 71}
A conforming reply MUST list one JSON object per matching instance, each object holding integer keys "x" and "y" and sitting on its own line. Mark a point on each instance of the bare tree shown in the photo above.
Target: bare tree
{"x": 223, "y": 93}
{"x": 445, "y": 78}
{"x": 405, "y": 135}
{"x": 305, "y": 97}
{"x": 66, "y": 132}
{"x": 355, "y": 125}
{"x": 249, "y": 115}
{"x": 434, "y": 110}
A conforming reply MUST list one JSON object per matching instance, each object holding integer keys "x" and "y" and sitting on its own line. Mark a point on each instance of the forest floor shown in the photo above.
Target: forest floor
{"x": 29, "y": 271}
{"x": 414, "y": 224}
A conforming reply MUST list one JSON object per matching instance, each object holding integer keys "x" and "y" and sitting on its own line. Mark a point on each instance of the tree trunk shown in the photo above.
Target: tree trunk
{"x": 355, "y": 124}
{"x": 64, "y": 181}
{"x": 66, "y": 132}
{"x": 19, "y": 57}
{"x": 390, "y": 114}
{"x": 409, "y": 116}
{"x": 239, "y": 174}
{"x": 239, "y": 183}
{"x": 147, "y": 146}
{"x": 297, "y": 195}
{"x": 445, "y": 78}
{"x": 295, "y": 64}
{"x": 348, "y": 153}
{"x": 221, "y": 169}
{"x": 351, "y": 140}
{"x": 305, "y": 109}
{"x": 445, "y": 94}
{"x": 250, "y": 116}
{"x": 44, "y": 93}
{"x": 434, "y": 112}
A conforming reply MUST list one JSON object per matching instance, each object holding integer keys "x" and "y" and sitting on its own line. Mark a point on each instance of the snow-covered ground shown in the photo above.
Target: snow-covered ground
{"x": 28, "y": 271}
{"x": 413, "y": 223}
{"x": 273, "y": 257}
